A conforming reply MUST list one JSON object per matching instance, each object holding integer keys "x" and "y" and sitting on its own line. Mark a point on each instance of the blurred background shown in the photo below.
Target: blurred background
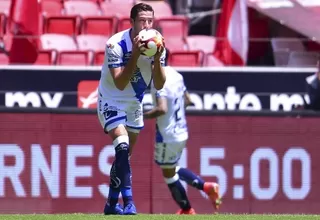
{"x": 198, "y": 32}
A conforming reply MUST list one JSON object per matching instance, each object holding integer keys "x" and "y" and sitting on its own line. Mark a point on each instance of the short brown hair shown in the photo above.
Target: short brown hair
{"x": 138, "y": 8}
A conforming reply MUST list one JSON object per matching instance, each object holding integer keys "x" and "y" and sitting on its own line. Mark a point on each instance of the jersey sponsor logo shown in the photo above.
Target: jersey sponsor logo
{"x": 135, "y": 79}
{"x": 110, "y": 46}
{"x": 87, "y": 94}
{"x": 137, "y": 114}
{"x": 109, "y": 111}
{"x": 126, "y": 57}
{"x": 113, "y": 60}
{"x": 136, "y": 76}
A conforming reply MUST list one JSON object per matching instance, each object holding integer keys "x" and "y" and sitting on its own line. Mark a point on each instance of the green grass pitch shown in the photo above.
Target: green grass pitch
{"x": 158, "y": 217}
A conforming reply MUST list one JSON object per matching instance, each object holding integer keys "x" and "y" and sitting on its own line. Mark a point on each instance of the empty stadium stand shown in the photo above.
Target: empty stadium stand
{"x": 75, "y": 32}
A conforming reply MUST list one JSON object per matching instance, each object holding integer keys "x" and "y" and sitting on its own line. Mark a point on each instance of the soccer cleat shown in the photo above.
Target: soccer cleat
{"x": 113, "y": 210}
{"x": 186, "y": 212}
{"x": 130, "y": 209}
{"x": 212, "y": 190}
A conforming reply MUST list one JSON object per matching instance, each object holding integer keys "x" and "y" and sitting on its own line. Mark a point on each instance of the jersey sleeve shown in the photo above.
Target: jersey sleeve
{"x": 161, "y": 93}
{"x": 184, "y": 88}
{"x": 158, "y": 93}
{"x": 114, "y": 55}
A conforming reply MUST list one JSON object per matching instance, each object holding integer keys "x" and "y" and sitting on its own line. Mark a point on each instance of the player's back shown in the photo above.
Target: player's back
{"x": 172, "y": 126}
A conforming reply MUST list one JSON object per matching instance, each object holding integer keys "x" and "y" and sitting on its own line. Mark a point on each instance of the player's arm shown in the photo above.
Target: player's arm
{"x": 121, "y": 73}
{"x": 186, "y": 95}
{"x": 160, "y": 108}
{"x": 187, "y": 99}
{"x": 159, "y": 76}
{"x": 160, "y": 103}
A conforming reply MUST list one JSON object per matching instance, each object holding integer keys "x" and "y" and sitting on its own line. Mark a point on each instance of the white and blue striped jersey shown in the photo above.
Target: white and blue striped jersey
{"x": 117, "y": 54}
{"x": 172, "y": 126}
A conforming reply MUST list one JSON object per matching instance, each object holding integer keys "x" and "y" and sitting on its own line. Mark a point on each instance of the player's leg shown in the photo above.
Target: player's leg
{"x": 122, "y": 167}
{"x": 129, "y": 207}
{"x": 177, "y": 190}
{"x": 133, "y": 137}
{"x": 166, "y": 156}
{"x": 210, "y": 188}
{"x": 191, "y": 178}
{"x": 134, "y": 123}
{"x": 113, "y": 120}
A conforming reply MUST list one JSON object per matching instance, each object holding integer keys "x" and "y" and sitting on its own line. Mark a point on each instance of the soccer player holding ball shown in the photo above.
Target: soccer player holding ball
{"x": 171, "y": 139}
{"x": 125, "y": 75}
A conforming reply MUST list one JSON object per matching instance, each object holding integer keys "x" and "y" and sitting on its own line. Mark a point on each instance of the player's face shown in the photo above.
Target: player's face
{"x": 144, "y": 20}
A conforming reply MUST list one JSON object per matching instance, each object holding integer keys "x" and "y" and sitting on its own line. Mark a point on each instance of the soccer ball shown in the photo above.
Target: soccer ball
{"x": 150, "y": 41}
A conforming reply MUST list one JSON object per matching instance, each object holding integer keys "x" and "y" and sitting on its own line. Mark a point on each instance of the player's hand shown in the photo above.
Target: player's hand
{"x": 136, "y": 47}
{"x": 157, "y": 56}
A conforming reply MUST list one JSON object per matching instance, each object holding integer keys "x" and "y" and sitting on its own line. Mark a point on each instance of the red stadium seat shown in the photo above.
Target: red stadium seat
{"x": 68, "y": 58}
{"x": 122, "y": 1}
{"x": 176, "y": 27}
{"x": 4, "y": 59}
{"x": 201, "y": 42}
{"x": 5, "y": 6}
{"x": 3, "y": 26}
{"x": 161, "y": 8}
{"x": 175, "y": 44}
{"x": 99, "y": 25}
{"x": 91, "y": 42}
{"x": 211, "y": 60}
{"x": 61, "y": 25}
{"x": 59, "y": 42}
{"x": 281, "y": 57}
{"x": 82, "y": 8}
{"x": 96, "y": 1}
{"x": 45, "y": 57}
{"x": 185, "y": 58}
{"x": 123, "y": 24}
{"x": 303, "y": 59}
{"x": 98, "y": 58}
{"x": 51, "y": 8}
{"x": 113, "y": 8}
{"x": 290, "y": 44}
{"x": 7, "y": 41}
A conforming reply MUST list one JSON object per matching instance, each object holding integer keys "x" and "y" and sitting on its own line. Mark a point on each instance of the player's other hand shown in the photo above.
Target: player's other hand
{"x": 157, "y": 56}
{"x": 136, "y": 47}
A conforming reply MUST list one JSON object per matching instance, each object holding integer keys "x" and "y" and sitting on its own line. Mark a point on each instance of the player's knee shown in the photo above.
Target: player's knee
{"x": 134, "y": 130}
{"x": 117, "y": 131}
{"x": 168, "y": 172}
{"x": 171, "y": 179}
